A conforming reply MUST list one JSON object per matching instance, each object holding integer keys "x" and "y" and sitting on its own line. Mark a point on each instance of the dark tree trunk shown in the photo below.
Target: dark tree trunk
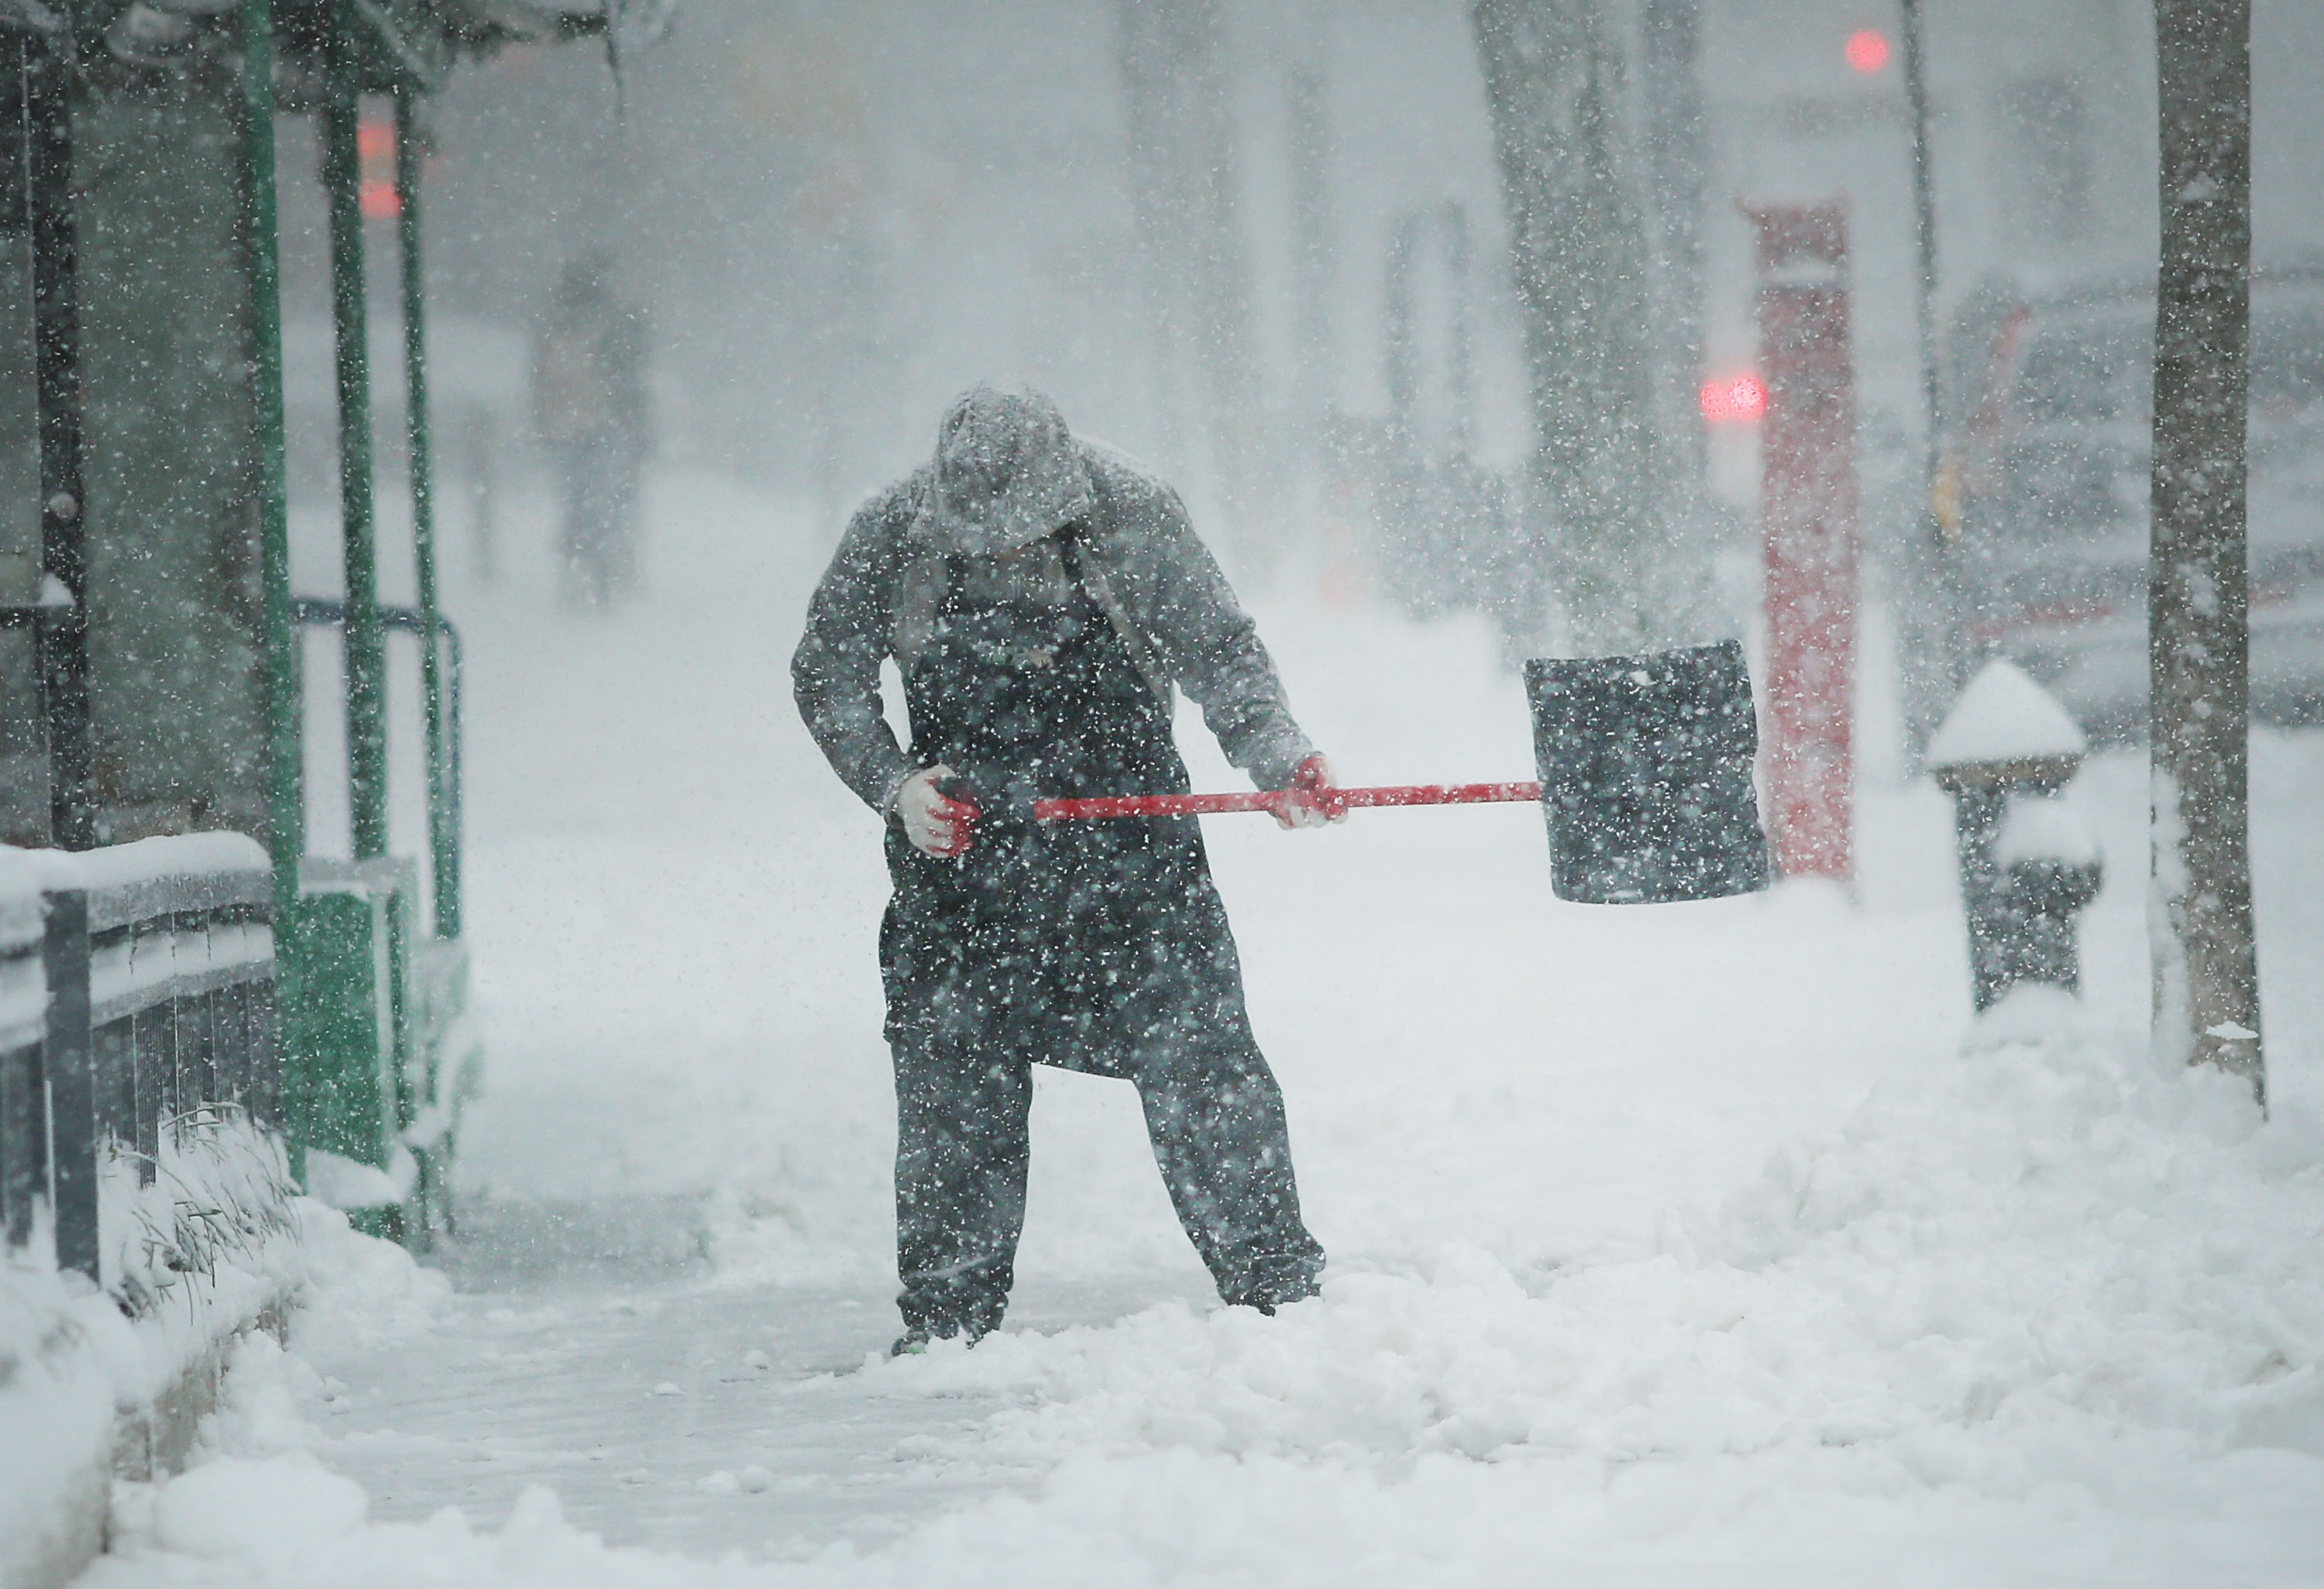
{"x": 1603, "y": 469}
{"x": 1187, "y": 198}
{"x": 1316, "y": 346}
{"x": 1679, "y": 160}
{"x": 2206, "y": 959}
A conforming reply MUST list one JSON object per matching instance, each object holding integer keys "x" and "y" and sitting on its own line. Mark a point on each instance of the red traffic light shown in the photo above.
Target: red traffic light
{"x": 1733, "y": 400}
{"x": 375, "y": 151}
{"x": 1867, "y": 50}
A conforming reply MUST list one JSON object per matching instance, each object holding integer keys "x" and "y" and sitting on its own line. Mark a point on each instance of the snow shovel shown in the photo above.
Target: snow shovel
{"x": 1645, "y": 779}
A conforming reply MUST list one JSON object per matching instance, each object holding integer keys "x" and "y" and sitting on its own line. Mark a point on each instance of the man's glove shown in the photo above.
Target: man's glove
{"x": 936, "y": 823}
{"x": 1311, "y": 804}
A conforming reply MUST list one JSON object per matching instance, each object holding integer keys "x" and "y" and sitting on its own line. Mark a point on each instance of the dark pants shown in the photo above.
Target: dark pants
{"x": 969, "y": 1018}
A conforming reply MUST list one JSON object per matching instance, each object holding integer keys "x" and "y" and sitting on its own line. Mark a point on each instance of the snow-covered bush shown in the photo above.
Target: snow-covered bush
{"x": 218, "y": 1193}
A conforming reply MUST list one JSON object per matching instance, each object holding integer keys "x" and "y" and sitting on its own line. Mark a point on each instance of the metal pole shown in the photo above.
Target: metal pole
{"x": 286, "y": 804}
{"x": 366, "y": 664}
{"x": 62, "y": 635}
{"x": 1925, "y": 227}
{"x": 443, "y": 845}
{"x": 1940, "y": 532}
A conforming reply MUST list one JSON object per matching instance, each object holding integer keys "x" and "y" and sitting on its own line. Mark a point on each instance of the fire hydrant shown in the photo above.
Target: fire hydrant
{"x": 2028, "y": 865}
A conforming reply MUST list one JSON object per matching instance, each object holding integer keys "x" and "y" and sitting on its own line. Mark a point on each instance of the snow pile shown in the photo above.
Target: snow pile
{"x": 359, "y": 1290}
{"x": 2050, "y": 1264}
{"x": 2050, "y": 1315}
{"x": 195, "y": 1254}
{"x": 70, "y": 1355}
{"x": 2002, "y": 716}
{"x": 202, "y": 1231}
{"x": 55, "y": 1406}
{"x": 191, "y": 1256}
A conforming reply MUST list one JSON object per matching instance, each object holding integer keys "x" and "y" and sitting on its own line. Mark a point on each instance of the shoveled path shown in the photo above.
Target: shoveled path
{"x": 588, "y": 1349}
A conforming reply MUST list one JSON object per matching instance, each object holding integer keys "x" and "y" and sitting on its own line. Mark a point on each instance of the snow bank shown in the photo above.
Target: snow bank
{"x": 2050, "y": 1237}
{"x": 73, "y": 1359}
{"x": 201, "y": 1248}
{"x": 56, "y": 1410}
{"x": 192, "y": 1255}
{"x": 2047, "y": 1316}
{"x": 2048, "y": 1267}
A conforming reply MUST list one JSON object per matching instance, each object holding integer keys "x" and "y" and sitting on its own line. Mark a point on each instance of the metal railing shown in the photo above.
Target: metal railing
{"x": 448, "y": 742}
{"x": 136, "y": 994}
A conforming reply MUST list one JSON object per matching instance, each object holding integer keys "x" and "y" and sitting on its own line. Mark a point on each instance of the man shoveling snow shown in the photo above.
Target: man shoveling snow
{"x": 1041, "y": 596}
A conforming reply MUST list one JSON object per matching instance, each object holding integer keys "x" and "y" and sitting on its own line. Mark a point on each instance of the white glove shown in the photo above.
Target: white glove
{"x": 1311, "y": 804}
{"x": 935, "y": 822}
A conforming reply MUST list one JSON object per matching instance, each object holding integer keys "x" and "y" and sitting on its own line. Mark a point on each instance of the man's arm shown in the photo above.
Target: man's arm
{"x": 835, "y": 671}
{"x": 1210, "y": 644}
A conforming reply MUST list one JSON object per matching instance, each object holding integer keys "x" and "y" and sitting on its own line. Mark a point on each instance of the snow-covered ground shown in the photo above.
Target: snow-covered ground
{"x": 1701, "y": 1244}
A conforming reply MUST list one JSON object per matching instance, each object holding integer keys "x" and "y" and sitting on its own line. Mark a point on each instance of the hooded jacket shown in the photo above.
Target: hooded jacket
{"x": 1140, "y": 561}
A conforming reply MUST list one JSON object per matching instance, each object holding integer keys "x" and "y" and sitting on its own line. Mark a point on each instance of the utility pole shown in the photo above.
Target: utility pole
{"x": 2199, "y": 635}
{"x": 1936, "y": 663}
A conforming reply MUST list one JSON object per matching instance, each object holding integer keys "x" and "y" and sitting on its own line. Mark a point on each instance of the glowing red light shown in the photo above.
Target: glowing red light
{"x": 1867, "y": 50}
{"x": 1733, "y": 400}
{"x": 376, "y": 152}
{"x": 381, "y": 201}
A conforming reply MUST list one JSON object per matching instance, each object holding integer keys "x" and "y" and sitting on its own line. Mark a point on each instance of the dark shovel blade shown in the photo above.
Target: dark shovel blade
{"x": 1646, "y": 775}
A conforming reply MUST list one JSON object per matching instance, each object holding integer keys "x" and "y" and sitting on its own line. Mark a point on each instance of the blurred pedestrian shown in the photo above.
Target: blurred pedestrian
{"x": 1041, "y": 595}
{"x": 590, "y": 403}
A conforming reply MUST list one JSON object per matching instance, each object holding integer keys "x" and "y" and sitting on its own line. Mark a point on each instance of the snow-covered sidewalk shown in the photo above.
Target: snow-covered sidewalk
{"x": 1678, "y": 1244}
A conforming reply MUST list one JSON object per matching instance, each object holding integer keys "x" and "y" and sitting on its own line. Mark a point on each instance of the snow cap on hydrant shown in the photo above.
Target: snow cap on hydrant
{"x": 2004, "y": 716}
{"x": 1008, "y": 473}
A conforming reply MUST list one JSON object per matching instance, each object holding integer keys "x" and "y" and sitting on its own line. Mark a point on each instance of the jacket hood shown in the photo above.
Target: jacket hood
{"x": 1006, "y": 472}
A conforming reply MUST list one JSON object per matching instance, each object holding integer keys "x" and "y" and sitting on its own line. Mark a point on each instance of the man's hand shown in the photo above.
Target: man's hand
{"x": 1311, "y": 804}
{"x": 936, "y": 823}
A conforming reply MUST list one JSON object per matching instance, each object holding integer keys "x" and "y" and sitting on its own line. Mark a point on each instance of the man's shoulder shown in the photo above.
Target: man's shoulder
{"x": 891, "y": 510}
{"x": 1134, "y": 496}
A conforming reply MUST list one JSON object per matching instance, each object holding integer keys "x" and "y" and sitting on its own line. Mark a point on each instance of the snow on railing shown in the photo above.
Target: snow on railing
{"x": 140, "y": 1072}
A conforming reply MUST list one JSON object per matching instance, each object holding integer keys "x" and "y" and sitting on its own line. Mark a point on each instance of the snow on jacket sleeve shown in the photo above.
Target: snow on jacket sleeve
{"x": 1176, "y": 593}
{"x": 835, "y": 671}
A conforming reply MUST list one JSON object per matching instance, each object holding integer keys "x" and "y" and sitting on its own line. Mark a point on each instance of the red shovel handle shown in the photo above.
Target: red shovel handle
{"x": 1273, "y": 800}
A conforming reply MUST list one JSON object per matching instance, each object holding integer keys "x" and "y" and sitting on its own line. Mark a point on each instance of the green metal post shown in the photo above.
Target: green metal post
{"x": 443, "y": 840}
{"x": 286, "y": 806}
{"x": 61, "y": 635}
{"x": 367, "y": 661}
